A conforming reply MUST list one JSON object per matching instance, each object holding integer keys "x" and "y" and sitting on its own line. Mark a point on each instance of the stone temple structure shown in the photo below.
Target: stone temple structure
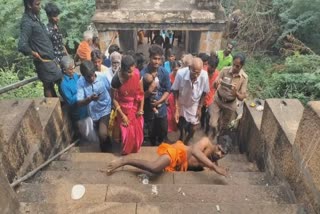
{"x": 202, "y": 21}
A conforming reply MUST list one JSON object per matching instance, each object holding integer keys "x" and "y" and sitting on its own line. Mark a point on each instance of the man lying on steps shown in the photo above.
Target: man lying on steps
{"x": 179, "y": 157}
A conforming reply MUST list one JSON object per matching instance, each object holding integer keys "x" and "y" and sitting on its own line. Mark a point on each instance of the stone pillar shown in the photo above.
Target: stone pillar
{"x": 107, "y": 4}
{"x": 210, "y": 41}
{"x": 127, "y": 40}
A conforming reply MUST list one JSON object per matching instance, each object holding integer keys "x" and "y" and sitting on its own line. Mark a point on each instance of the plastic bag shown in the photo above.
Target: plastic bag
{"x": 87, "y": 130}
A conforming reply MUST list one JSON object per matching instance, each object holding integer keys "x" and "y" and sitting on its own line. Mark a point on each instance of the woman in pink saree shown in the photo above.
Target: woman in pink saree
{"x": 128, "y": 99}
{"x": 172, "y": 125}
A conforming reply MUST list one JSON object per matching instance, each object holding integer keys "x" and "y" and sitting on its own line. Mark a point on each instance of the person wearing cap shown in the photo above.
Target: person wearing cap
{"x": 84, "y": 49}
{"x": 179, "y": 157}
{"x": 231, "y": 85}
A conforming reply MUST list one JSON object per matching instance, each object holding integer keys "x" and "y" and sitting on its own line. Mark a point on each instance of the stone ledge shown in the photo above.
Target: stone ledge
{"x": 36, "y": 130}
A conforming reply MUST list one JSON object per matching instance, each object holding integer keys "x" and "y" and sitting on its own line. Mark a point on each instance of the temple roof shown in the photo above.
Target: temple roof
{"x": 159, "y": 14}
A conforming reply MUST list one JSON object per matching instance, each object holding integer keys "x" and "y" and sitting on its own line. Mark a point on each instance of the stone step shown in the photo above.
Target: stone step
{"x": 146, "y": 153}
{"x": 160, "y": 208}
{"x": 131, "y": 176}
{"x": 69, "y": 165}
{"x": 200, "y": 193}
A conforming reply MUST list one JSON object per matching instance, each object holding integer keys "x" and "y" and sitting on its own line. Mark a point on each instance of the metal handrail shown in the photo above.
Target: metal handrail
{"x": 17, "y": 85}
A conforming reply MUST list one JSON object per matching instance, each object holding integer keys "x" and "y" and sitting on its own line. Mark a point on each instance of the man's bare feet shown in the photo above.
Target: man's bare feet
{"x": 115, "y": 164}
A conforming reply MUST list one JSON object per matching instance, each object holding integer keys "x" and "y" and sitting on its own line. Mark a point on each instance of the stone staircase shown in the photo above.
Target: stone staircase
{"x": 246, "y": 191}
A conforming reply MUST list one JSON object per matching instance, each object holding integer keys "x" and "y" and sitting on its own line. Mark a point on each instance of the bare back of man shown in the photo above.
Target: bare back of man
{"x": 201, "y": 154}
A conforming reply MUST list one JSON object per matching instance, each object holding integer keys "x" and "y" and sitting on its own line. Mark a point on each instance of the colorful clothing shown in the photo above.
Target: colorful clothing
{"x": 57, "y": 41}
{"x": 224, "y": 61}
{"x": 84, "y": 51}
{"x": 129, "y": 96}
{"x": 101, "y": 107}
{"x": 178, "y": 156}
{"x": 171, "y": 110}
{"x": 209, "y": 96}
{"x": 68, "y": 90}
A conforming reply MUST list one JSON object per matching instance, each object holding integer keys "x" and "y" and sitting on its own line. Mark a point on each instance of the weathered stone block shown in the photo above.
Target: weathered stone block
{"x": 279, "y": 126}
{"x": 32, "y": 132}
{"x": 308, "y": 145}
{"x": 8, "y": 201}
{"x": 207, "y": 4}
{"x": 107, "y": 4}
{"x": 210, "y": 41}
{"x": 21, "y": 129}
{"x": 249, "y": 135}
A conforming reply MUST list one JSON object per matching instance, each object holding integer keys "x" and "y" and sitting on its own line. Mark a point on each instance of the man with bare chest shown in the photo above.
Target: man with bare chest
{"x": 179, "y": 157}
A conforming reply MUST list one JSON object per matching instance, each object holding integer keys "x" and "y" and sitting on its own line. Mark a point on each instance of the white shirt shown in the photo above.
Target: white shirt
{"x": 107, "y": 72}
{"x": 190, "y": 94}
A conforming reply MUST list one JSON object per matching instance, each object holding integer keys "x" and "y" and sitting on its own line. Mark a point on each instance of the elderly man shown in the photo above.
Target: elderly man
{"x": 84, "y": 49}
{"x": 190, "y": 87}
{"x": 231, "y": 85}
{"x": 68, "y": 90}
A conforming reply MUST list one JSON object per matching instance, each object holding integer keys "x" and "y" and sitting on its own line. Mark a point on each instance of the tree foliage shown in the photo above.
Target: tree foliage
{"x": 265, "y": 23}
{"x": 298, "y": 77}
{"x": 75, "y": 17}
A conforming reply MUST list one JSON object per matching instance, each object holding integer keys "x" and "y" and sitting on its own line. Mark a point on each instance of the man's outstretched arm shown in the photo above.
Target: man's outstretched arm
{"x": 198, "y": 152}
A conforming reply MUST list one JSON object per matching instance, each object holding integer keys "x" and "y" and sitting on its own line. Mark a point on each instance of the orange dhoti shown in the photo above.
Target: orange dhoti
{"x": 178, "y": 156}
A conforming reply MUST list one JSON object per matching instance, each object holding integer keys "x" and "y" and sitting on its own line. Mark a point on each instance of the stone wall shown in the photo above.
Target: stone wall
{"x": 210, "y": 41}
{"x": 288, "y": 144}
{"x": 207, "y": 4}
{"x": 107, "y": 4}
{"x": 8, "y": 201}
{"x": 307, "y": 143}
{"x": 33, "y": 131}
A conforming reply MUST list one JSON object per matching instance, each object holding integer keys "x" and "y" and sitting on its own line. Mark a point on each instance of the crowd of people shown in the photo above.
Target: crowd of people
{"x": 127, "y": 99}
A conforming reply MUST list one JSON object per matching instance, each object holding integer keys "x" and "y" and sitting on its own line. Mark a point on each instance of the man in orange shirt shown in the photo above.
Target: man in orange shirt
{"x": 84, "y": 49}
{"x": 213, "y": 73}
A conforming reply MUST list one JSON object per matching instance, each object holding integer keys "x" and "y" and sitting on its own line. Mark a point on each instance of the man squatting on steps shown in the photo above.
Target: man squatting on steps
{"x": 179, "y": 157}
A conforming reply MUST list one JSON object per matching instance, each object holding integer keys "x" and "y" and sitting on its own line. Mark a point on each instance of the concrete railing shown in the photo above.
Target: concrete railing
{"x": 284, "y": 141}
{"x": 17, "y": 85}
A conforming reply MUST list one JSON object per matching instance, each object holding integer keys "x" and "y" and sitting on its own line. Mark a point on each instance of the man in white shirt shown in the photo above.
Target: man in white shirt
{"x": 190, "y": 87}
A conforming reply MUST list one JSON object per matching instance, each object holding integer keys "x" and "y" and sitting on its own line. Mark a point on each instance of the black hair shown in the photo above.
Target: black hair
{"x": 126, "y": 62}
{"x": 87, "y": 68}
{"x": 175, "y": 64}
{"x": 52, "y": 10}
{"x": 27, "y": 3}
{"x": 113, "y": 48}
{"x": 241, "y": 57}
{"x": 96, "y": 54}
{"x": 155, "y": 50}
{"x": 213, "y": 61}
{"x": 204, "y": 57}
{"x": 139, "y": 58}
{"x": 226, "y": 143}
